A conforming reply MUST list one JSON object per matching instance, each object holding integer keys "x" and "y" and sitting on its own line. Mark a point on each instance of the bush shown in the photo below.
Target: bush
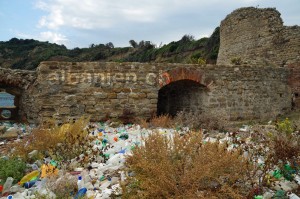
{"x": 14, "y": 168}
{"x": 62, "y": 143}
{"x": 285, "y": 143}
{"x": 184, "y": 167}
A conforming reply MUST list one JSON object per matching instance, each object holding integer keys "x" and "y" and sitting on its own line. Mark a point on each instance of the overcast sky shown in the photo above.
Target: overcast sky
{"x": 79, "y": 23}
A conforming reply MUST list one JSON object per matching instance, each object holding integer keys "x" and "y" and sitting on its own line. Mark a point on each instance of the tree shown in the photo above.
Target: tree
{"x": 110, "y": 45}
{"x": 133, "y": 43}
{"x": 187, "y": 38}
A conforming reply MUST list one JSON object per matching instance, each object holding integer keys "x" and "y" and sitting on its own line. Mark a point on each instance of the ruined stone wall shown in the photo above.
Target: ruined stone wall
{"x": 17, "y": 83}
{"x": 294, "y": 83}
{"x": 68, "y": 90}
{"x": 258, "y": 37}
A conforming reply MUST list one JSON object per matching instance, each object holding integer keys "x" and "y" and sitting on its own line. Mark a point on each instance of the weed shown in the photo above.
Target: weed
{"x": 14, "y": 168}
{"x": 62, "y": 143}
{"x": 164, "y": 121}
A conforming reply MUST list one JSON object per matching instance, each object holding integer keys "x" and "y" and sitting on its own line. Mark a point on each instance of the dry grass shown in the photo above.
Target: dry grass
{"x": 164, "y": 121}
{"x": 60, "y": 142}
{"x": 184, "y": 167}
{"x": 202, "y": 120}
{"x": 142, "y": 122}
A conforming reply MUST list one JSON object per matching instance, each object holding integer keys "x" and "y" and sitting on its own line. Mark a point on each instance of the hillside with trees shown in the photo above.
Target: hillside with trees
{"x": 28, "y": 53}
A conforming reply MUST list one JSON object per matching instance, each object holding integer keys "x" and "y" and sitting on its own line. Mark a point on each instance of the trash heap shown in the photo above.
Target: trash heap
{"x": 102, "y": 175}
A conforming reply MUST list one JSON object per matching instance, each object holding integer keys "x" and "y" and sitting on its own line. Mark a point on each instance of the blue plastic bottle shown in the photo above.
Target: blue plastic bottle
{"x": 80, "y": 193}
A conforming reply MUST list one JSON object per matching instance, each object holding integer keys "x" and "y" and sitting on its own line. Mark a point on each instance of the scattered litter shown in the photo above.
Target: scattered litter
{"x": 102, "y": 176}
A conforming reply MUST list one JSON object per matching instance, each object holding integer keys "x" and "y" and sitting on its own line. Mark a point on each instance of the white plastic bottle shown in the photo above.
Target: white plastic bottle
{"x": 7, "y": 185}
{"x": 293, "y": 196}
{"x": 80, "y": 183}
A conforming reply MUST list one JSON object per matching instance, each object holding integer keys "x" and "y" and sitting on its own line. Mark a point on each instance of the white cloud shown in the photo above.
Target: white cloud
{"x": 91, "y": 14}
{"x": 99, "y": 21}
{"x": 52, "y": 37}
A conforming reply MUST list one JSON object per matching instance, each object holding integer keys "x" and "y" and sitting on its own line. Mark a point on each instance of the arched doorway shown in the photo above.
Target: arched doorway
{"x": 182, "y": 95}
{"x": 9, "y": 103}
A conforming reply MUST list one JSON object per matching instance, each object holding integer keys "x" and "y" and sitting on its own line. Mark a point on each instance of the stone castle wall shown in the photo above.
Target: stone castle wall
{"x": 68, "y": 90}
{"x": 258, "y": 37}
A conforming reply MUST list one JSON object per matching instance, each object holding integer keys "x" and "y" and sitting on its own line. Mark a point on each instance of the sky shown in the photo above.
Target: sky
{"x": 80, "y": 23}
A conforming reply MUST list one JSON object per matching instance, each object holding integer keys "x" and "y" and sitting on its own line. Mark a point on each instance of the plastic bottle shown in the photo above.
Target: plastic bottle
{"x": 7, "y": 185}
{"x": 29, "y": 184}
{"x": 29, "y": 176}
{"x": 79, "y": 183}
{"x": 293, "y": 196}
{"x": 80, "y": 193}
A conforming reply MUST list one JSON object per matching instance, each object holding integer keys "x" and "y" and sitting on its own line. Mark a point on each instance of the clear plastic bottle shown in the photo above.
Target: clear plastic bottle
{"x": 7, "y": 185}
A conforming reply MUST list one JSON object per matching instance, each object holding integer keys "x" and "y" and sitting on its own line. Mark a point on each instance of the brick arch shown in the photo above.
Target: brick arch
{"x": 182, "y": 73}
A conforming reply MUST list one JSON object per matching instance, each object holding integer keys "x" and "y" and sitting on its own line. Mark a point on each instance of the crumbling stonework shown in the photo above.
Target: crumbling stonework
{"x": 17, "y": 78}
{"x": 294, "y": 83}
{"x": 17, "y": 83}
{"x": 258, "y": 37}
{"x": 68, "y": 90}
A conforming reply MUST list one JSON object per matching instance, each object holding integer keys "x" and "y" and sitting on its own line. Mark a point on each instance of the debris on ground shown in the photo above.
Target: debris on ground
{"x": 101, "y": 177}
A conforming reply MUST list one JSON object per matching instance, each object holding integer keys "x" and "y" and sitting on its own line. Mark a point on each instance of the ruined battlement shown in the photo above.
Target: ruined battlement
{"x": 258, "y": 37}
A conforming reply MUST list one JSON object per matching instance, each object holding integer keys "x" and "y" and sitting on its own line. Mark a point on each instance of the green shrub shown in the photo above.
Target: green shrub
{"x": 14, "y": 168}
{"x": 285, "y": 126}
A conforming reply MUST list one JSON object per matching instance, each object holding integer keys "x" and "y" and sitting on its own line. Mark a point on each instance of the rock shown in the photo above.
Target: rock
{"x": 32, "y": 153}
{"x": 14, "y": 130}
{"x": 285, "y": 186}
{"x": 10, "y": 133}
{"x": 2, "y": 129}
{"x": 268, "y": 195}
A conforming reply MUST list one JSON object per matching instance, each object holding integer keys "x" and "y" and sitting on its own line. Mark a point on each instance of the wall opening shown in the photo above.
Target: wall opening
{"x": 9, "y": 103}
{"x": 182, "y": 95}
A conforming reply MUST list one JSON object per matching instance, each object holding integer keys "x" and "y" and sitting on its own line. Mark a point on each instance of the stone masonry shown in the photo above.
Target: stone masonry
{"x": 65, "y": 90}
{"x": 258, "y": 37}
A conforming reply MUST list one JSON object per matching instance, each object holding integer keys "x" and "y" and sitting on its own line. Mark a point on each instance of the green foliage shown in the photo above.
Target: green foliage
{"x": 28, "y": 53}
{"x": 14, "y": 168}
{"x": 285, "y": 126}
